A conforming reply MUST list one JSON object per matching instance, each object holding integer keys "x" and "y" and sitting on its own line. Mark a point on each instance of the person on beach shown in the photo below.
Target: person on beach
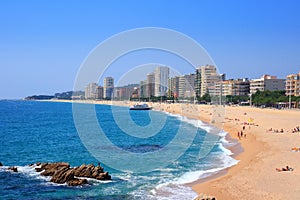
{"x": 239, "y": 136}
{"x": 287, "y": 168}
{"x": 241, "y": 133}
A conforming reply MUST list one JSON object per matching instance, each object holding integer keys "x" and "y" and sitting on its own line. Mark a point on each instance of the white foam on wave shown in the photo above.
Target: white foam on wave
{"x": 29, "y": 171}
{"x": 196, "y": 123}
{"x": 173, "y": 192}
{"x": 226, "y": 151}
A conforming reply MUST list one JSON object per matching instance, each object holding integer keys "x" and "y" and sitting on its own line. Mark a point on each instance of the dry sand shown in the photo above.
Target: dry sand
{"x": 254, "y": 177}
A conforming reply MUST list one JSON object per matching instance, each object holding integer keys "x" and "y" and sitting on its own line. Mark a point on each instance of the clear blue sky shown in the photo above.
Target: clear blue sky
{"x": 43, "y": 43}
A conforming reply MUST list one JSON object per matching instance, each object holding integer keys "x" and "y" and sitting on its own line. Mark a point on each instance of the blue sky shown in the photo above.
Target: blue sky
{"x": 43, "y": 43}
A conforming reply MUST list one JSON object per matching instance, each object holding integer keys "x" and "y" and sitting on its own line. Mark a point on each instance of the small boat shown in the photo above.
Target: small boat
{"x": 140, "y": 107}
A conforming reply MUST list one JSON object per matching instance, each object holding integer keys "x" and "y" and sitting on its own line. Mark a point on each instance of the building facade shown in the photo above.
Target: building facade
{"x": 173, "y": 87}
{"x": 237, "y": 87}
{"x": 161, "y": 81}
{"x": 267, "y": 82}
{"x": 186, "y": 86}
{"x": 99, "y": 92}
{"x": 205, "y": 79}
{"x": 150, "y": 85}
{"x": 292, "y": 85}
{"x": 108, "y": 87}
{"x": 90, "y": 91}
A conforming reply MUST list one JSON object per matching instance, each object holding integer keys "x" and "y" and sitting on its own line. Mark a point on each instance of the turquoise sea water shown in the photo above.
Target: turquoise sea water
{"x": 33, "y": 132}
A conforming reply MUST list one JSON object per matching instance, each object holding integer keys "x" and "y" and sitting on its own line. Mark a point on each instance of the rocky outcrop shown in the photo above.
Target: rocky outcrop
{"x": 51, "y": 168}
{"x": 1, "y": 164}
{"x": 76, "y": 182}
{"x": 63, "y": 173}
{"x": 91, "y": 171}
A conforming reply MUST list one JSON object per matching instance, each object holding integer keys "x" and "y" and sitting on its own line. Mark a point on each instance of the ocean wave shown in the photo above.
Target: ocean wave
{"x": 225, "y": 150}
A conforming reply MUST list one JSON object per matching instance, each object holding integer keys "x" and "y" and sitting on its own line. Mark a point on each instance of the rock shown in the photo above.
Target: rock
{"x": 63, "y": 175}
{"x": 38, "y": 164}
{"x": 78, "y": 170}
{"x": 103, "y": 176}
{"x": 1, "y": 164}
{"x": 87, "y": 171}
{"x": 51, "y": 168}
{"x": 77, "y": 182}
{"x": 38, "y": 169}
{"x": 14, "y": 169}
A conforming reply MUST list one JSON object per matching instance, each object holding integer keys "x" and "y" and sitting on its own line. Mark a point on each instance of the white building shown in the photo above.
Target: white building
{"x": 150, "y": 85}
{"x": 267, "y": 82}
{"x": 206, "y": 78}
{"x": 108, "y": 87}
{"x": 90, "y": 91}
{"x": 161, "y": 81}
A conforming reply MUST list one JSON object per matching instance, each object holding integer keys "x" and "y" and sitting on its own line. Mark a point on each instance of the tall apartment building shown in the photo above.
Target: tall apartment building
{"x": 173, "y": 87}
{"x": 108, "y": 87}
{"x": 186, "y": 86}
{"x": 90, "y": 91}
{"x": 143, "y": 89}
{"x": 99, "y": 92}
{"x": 267, "y": 82}
{"x": 150, "y": 85}
{"x": 292, "y": 85}
{"x": 161, "y": 81}
{"x": 205, "y": 79}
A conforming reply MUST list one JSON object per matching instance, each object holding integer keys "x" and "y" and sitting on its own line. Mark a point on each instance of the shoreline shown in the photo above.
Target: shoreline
{"x": 179, "y": 109}
{"x": 254, "y": 177}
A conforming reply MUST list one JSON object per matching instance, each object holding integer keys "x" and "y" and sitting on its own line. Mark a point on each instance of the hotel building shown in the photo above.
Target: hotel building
{"x": 108, "y": 87}
{"x": 205, "y": 79}
{"x": 161, "y": 81}
{"x": 90, "y": 91}
{"x": 186, "y": 86}
{"x": 292, "y": 85}
{"x": 267, "y": 82}
{"x": 173, "y": 87}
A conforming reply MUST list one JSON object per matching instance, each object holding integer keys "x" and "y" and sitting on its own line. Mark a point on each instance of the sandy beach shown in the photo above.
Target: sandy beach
{"x": 255, "y": 176}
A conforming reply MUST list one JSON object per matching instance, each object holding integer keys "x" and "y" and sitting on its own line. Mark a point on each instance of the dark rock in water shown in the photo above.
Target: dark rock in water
{"x": 38, "y": 169}
{"x": 38, "y": 164}
{"x": 51, "y": 168}
{"x": 90, "y": 171}
{"x": 77, "y": 182}
{"x": 14, "y": 169}
{"x": 1, "y": 164}
{"x": 62, "y": 173}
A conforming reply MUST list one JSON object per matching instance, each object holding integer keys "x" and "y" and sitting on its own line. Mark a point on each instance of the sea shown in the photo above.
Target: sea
{"x": 40, "y": 131}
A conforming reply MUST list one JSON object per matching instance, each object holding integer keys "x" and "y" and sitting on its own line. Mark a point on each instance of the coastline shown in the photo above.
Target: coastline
{"x": 255, "y": 175}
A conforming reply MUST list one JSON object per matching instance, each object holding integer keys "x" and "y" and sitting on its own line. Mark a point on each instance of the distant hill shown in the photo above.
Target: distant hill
{"x": 39, "y": 97}
{"x": 64, "y": 95}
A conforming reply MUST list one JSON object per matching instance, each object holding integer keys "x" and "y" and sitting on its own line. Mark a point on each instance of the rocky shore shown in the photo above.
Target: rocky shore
{"x": 61, "y": 172}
